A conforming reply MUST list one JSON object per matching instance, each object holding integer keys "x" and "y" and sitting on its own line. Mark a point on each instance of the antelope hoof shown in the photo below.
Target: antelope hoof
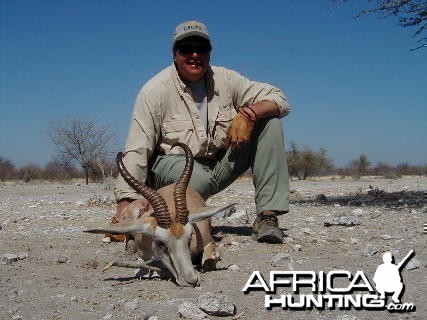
{"x": 130, "y": 246}
{"x": 211, "y": 255}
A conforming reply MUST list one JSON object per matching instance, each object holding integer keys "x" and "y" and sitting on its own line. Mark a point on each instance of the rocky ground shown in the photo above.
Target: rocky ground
{"x": 52, "y": 270}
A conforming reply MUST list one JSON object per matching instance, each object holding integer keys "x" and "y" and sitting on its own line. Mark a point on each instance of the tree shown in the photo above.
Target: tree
{"x": 30, "y": 172}
{"x": 360, "y": 165}
{"x": 7, "y": 169}
{"x": 83, "y": 141}
{"x": 382, "y": 169}
{"x": 302, "y": 164}
{"x": 410, "y": 13}
{"x": 324, "y": 163}
{"x": 55, "y": 170}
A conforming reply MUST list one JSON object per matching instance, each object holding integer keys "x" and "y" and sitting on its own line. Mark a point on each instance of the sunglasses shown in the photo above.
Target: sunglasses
{"x": 187, "y": 49}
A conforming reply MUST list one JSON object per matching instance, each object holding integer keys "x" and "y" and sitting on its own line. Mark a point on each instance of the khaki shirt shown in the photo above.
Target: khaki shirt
{"x": 165, "y": 113}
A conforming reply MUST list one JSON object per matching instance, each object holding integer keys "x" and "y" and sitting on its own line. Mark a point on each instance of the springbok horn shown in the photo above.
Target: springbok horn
{"x": 161, "y": 212}
{"x": 180, "y": 190}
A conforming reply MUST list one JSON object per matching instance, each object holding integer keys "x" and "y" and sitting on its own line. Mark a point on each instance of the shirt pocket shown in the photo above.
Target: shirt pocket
{"x": 222, "y": 123}
{"x": 177, "y": 130}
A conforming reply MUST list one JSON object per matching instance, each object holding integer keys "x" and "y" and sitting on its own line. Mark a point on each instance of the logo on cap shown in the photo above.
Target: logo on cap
{"x": 190, "y": 28}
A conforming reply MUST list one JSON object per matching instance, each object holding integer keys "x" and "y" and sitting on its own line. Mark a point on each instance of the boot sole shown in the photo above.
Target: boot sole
{"x": 270, "y": 236}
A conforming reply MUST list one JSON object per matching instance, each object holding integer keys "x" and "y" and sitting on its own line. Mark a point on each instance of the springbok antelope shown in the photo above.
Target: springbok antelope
{"x": 176, "y": 230}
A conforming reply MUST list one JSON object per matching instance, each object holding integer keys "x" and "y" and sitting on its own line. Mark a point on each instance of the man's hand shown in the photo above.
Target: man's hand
{"x": 240, "y": 131}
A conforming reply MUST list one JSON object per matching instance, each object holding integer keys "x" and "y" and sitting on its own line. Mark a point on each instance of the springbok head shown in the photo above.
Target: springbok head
{"x": 169, "y": 229}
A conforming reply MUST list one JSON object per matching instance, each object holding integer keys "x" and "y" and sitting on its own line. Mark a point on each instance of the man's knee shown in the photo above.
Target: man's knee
{"x": 273, "y": 124}
{"x": 203, "y": 182}
{"x": 167, "y": 169}
{"x": 271, "y": 131}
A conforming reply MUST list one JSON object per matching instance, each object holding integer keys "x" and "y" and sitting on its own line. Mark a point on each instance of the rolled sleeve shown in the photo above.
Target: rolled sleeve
{"x": 250, "y": 92}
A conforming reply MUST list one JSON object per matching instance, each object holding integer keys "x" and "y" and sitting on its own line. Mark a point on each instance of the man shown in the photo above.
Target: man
{"x": 387, "y": 278}
{"x": 230, "y": 123}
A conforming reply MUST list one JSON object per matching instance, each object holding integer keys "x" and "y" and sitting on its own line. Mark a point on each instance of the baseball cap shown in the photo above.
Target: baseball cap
{"x": 190, "y": 29}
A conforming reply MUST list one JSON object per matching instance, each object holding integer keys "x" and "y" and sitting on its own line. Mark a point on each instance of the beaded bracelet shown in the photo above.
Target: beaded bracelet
{"x": 246, "y": 114}
{"x": 250, "y": 107}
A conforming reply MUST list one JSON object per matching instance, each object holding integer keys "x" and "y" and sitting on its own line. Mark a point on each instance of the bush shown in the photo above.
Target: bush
{"x": 30, "y": 172}
{"x": 307, "y": 163}
{"x": 56, "y": 171}
{"x": 7, "y": 170}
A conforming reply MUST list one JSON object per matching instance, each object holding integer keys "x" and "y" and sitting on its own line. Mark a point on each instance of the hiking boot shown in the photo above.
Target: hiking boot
{"x": 266, "y": 229}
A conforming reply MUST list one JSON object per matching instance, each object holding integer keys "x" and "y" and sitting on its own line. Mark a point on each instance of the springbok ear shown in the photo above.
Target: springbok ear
{"x": 207, "y": 212}
{"x": 124, "y": 228}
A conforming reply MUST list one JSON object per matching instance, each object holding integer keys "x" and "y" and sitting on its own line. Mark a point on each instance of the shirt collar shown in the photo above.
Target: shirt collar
{"x": 183, "y": 88}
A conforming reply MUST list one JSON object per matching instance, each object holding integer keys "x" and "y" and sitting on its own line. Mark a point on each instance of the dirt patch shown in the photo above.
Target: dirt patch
{"x": 57, "y": 273}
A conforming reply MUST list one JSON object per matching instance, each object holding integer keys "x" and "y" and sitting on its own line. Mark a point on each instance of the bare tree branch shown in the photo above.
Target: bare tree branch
{"x": 410, "y": 13}
{"x": 85, "y": 141}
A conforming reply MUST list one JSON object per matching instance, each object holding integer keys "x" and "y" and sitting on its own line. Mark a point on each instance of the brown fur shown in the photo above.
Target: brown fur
{"x": 176, "y": 229}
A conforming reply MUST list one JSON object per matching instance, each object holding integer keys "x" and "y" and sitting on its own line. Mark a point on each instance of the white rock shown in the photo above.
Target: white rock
{"x": 132, "y": 305}
{"x": 233, "y": 267}
{"x": 216, "y": 304}
{"x": 358, "y": 212}
{"x": 9, "y": 258}
{"x": 190, "y": 311}
{"x": 369, "y": 251}
{"x": 346, "y": 221}
{"x": 288, "y": 240}
{"x": 22, "y": 255}
{"x": 106, "y": 240}
{"x": 62, "y": 259}
{"x": 306, "y": 231}
{"x": 385, "y": 237}
{"x": 281, "y": 260}
{"x": 297, "y": 247}
{"x": 111, "y": 306}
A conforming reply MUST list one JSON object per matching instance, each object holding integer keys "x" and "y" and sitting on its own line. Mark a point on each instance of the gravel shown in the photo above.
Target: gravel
{"x": 52, "y": 270}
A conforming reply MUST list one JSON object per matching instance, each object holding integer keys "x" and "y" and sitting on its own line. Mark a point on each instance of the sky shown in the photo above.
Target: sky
{"x": 353, "y": 84}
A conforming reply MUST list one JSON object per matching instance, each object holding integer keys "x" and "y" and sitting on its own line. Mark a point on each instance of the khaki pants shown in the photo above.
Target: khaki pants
{"x": 265, "y": 155}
